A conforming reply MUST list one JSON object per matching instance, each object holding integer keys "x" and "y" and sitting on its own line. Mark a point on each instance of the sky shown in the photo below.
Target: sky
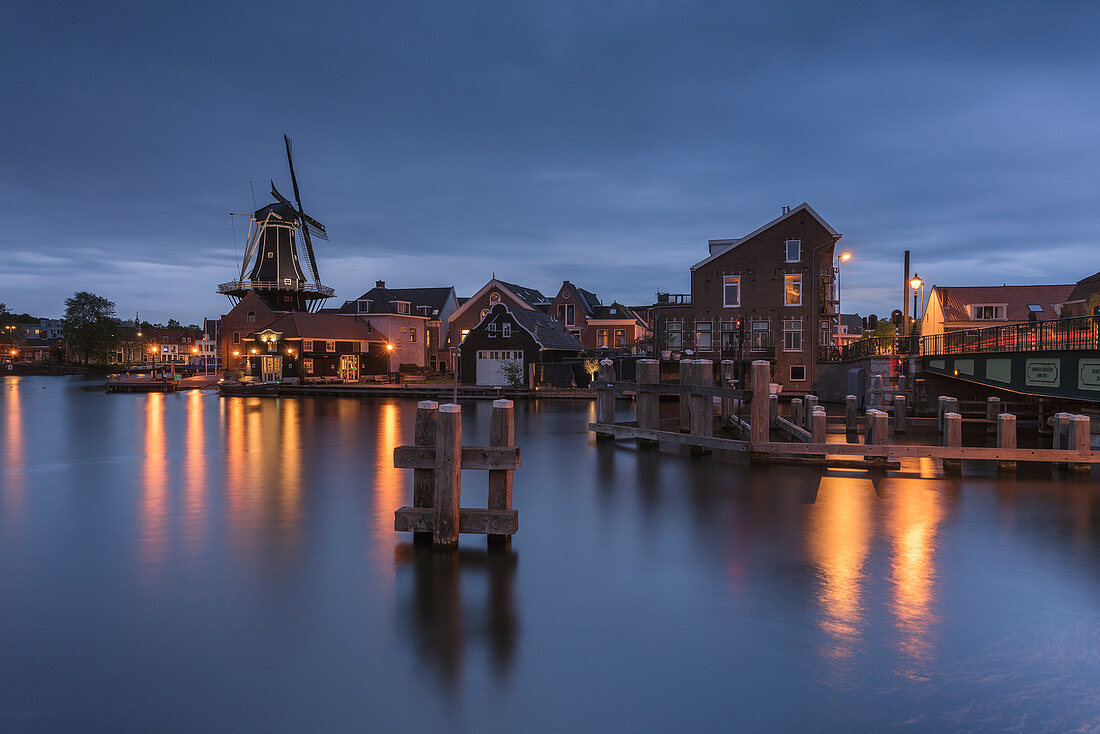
{"x": 598, "y": 142}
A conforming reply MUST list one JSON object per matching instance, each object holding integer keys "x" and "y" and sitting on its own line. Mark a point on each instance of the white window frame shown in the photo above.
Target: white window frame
{"x": 307, "y": 345}
{"x": 307, "y": 365}
{"x": 790, "y": 277}
{"x": 601, "y": 338}
{"x": 727, "y": 281}
{"x": 677, "y": 328}
{"x": 330, "y": 345}
{"x": 998, "y": 309}
{"x": 709, "y": 331}
{"x": 788, "y": 330}
{"x": 798, "y": 379}
{"x": 506, "y": 330}
{"x": 787, "y": 251}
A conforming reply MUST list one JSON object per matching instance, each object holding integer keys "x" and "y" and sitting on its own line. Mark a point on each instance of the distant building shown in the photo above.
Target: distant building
{"x": 502, "y": 347}
{"x": 1084, "y": 299}
{"x": 315, "y": 347}
{"x": 472, "y": 310}
{"x": 955, "y": 308}
{"x": 597, "y": 326}
{"x": 849, "y": 329}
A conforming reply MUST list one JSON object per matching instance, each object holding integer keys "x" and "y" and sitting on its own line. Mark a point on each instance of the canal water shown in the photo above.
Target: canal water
{"x": 185, "y": 562}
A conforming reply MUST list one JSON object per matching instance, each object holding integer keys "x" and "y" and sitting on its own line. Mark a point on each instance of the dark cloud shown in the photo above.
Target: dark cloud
{"x": 599, "y": 142}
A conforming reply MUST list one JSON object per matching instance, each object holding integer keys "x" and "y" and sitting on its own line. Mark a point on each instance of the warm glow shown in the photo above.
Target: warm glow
{"x": 139, "y": 333}
{"x": 389, "y": 347}
{"x": 152, "y": 350}
{"x": 14, "y": 352}
{"x": 253, "y": 351}
{"x": 290, "y": 352}
{"x": 916, "y": 283}
{"x": 912, "y": 520}
{"x": 194, "y": 350}
{"x": 236, "y": 354}
{"x": 846, "y": 256}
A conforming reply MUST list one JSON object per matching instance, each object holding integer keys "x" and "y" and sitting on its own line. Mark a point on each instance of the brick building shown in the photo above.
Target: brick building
{"x": 779, "y": 280}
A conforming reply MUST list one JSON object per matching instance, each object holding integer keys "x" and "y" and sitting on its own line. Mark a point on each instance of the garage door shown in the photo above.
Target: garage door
{"x": 490, "y": 365}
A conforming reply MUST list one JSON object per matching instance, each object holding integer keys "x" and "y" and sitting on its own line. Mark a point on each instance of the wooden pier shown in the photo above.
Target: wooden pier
{"x": 698, "y": 427}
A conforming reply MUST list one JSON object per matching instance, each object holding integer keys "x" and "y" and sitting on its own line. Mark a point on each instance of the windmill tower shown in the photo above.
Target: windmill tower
{"x": 270, "y": 266}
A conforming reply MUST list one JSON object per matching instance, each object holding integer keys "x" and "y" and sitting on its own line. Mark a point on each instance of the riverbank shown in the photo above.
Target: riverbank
{"x": 423, "y": 392}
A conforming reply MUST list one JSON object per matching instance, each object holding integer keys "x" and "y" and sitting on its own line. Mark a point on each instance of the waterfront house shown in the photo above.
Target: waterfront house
{"x": 573, "y": 307}
{"x": 955, "y": 308}
{"x": 1084, "y": 299}
{"x": 779, "y": 281}
{"x": 508, "y": 341}
{"x": 597, "y": 326}
{"x": 849, "y": 329}
{"x": 315, "y": 347}
{"x": 471, "y": 311}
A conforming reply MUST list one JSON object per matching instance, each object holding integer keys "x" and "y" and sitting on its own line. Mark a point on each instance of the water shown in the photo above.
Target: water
{"x": 187, "y": 563}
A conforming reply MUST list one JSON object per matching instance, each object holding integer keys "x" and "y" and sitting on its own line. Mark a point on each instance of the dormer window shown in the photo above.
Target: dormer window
{"x": 363, "y": 306}
{"x": 794, "y": 251}
{"x": 494, "y": 297}
{"x": 987, "y": 312}
{"x": 402, "y": 306}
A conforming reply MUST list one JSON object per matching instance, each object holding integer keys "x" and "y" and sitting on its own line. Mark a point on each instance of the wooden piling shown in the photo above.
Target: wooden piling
{"x": 808, "y": 405}
{"x": 817, "y": 425}
{"x": 797, "y": 417}
{"x": 649, "y": 405}
{"x": 1080, "y": 439}
{"x": 773, "y": 407}
{"x": 448, "y": 475}
{"x": 605, "y": 398}
{"x": 687, "y": 373}
{"x": 941, "y": 404}
{"x": 876, "y": 390}
{"x": 502, "y": 432}
{"x": 899, "y": 414}
{"x": 992, "y": 410}
{"x": 952, "y": 438}
{"x": 427, "y": 416}
{"x": 702, "y": 406}
{"x": 1006, "y": 438}
{"x": 761, "y": 376}
{"x": 726, "y": 369}
{"x": 851, "y": 417}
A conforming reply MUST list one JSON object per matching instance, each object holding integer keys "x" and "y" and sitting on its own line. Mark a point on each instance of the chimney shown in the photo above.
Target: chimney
{"x": 379, "y": 284}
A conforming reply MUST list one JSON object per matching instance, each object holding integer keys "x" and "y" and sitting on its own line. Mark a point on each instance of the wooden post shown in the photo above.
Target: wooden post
{"x": 761, "y": 376}
{"x": 796, "y": 412}
{"x": 992, "y": 410}
{"x": 817, "y": 425}
{"x": 869, "y": 426}
{"x": 605, "y": 398}
{"x": 1060, "y": 435}
{"x": 1080, "y": 439}
{"x": 773, "y": 408}
{"x": 899, "y": 414}
{"x": 951, "y": 405}
{"x": 725, "y": 368}
{"x": 952, "y": 437}
{"x": 851, "y": 418}
{"x": 809, "y": 403}
{"x": 448, "y": 475}
{"x": 701, "y": 406}
{"x": 502, "y": 432}
{"x": 876, "y": 390}
{"x": 427, "y": 416}
{"x": 687, "y": 370}
{"x": 1006, "y": 438}
{"x": 649, "y": 406}
{"x": 901, "y": 381}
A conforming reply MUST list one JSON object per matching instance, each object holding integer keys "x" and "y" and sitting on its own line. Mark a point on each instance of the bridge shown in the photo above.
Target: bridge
{"x": 1058, "y": 358}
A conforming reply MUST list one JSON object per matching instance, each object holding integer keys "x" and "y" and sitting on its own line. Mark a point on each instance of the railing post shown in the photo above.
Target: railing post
{"x": 761, "y": 377}
{"x": 952, "y": 438}
{"x": 851, "y": 417}
{"x": 649, "y": 407}
{"x": 502, "y": 432}
{"x": 605, "y": 398}
{"x": 899, "y": 414}
{"x": 427, "y": 417}
{"x": 448, "y": 475}
{"x": 1006, "y": 438}
{"x": 796, "y": 411}
{"x": 1081, "y": 440}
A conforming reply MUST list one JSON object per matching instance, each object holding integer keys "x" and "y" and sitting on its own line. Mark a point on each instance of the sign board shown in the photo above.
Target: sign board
{"x": 1088, "y": 374}
{"x": 1043, "y": 373}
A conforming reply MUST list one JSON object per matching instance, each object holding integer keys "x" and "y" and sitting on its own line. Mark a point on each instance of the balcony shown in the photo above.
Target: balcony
{"x": 311, "y": 290}
{"x": 674, "y": 299}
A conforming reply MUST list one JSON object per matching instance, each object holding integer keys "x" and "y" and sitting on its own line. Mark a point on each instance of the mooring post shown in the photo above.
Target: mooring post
{"x": 796, "y": 411}
{"x": 1080, "y": 440}
{"x": 899, "y": 414}
{"x": 1006, "y": 438}
{"x": 951, "y": 405}
{"x": 427, "y": 416}
{"x": 882, "y": 428}
{"x": 502, "y": 432}
{"x": 448, "y": 475}
{"x": 817, "y": 425}
{"x": 952, "y": 438}
{"x": 773, "y": 408}
{"x": 649, "y": 406}
{"x": 687, "y": 370}
{"x": 941, "y": 405}
{"x": 901, "y": 382}
{"x": 761, "y": 376}
{"x": 725, "y": 367}
{"x": 876, "y": 390}
{"x": 851, "y": 417}
{"x": 808, "y": 405}
{"x": 702, "y": 407}
{"x": 605, "y": 398}
{"x": 992, "y": 410}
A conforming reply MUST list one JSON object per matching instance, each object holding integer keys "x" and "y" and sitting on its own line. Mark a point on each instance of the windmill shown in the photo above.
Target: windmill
{"x": 270, "y": 266}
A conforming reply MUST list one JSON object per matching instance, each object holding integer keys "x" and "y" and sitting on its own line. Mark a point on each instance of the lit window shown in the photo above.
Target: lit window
{"x": 703, "y": 336}
{"x": 794, "y": 251}
{"x": 792, "y": 336}
{"x": 620, "y": 338}
{"x": 731, "y": 290}
{"x": 307, "y": 345}
{"x": 792, "y": 289}
{"x": 761, "y": 336}
{"x": 601, "y": 338}
{"x": 412, "y": 335}
{"x": 494, "y": 297}
{"x": 484, "y": 313}
{"x": 330, "y": 345}
{"x": 307, "y": 366}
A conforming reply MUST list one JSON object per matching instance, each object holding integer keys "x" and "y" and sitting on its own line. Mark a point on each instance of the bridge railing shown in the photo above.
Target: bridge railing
{"x": 1081, "y": 332}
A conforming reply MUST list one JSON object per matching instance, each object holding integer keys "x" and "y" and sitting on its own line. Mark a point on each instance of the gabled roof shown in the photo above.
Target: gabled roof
{"x": 302, "y": 325}
{"x": 1085, "y": 288}
{"x": 546, "y": 331}
{"x": 853, "y": 321}
{"x": 1016, "y": 298}
{"x": 616, "y": 311}
{"x": 532, "y": 295}
{"x": 532, "y": 299}
{"x": 434, "y": 298}
{"x": 727, "y": 245}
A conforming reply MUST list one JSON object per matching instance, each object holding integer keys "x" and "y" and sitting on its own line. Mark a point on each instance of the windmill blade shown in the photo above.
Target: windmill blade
{"x": 309, "y": 252}
{"x": 293, "y": 178}
{"x": 280, "y": 197}
{"x": 316, "y": 228}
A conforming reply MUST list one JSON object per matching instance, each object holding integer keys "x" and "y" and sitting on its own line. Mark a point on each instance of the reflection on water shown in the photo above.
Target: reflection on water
{"x": 839, "y": 541}
{"x": 153, "y": 507}
{"x": 194, "y": 474}
{"x": 13, "y": 470}
{"x": 390, "y": 487}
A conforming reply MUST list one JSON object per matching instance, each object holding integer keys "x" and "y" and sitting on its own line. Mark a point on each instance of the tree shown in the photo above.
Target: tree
{"x": 90, "y": 326}
{"x": 173, "y": 324}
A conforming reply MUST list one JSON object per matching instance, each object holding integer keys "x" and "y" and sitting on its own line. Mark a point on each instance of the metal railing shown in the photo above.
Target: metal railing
{"x": 1081, "y": 332}
{"x": 674, "y": 299}
{"x": 277, "y": 285}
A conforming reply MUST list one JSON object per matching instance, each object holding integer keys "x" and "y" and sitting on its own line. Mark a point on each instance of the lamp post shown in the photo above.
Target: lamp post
{"x": 917, "y": 284}
{"x": 843, "y": 258}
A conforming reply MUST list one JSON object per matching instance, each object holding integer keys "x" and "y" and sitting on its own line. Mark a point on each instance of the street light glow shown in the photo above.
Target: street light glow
{"x": 845, "y": 257}
{"x": 916, "y": 282}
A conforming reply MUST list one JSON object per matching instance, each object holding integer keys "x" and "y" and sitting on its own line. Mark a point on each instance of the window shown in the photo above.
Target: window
{"x": 307, "y": 366}
{"x": 826, "y": 334}
{"x": 1034, "y": 308}
{"x": 761, "y": 336}
{"x": 620, "y": 338}
{"x": 236, "y": 337}
{"x": 703, "y": 336}
{"x": 494, "y": 297}
{"x": 484, "y": 313}
{"x": 465, "y": 332}
{"x": 731, "y": 290}
{"x": 506, "y": 330}
{"x": 792, "y": 289}
{"x": 792, "y": 336}
{"x": 570, "y": 314}
{"x": 363, "y": 306}
{"x": 251, "y": 317}
{"x": 403, "y": 306}
{"x": 674, "y": 332}
{"x": 492, "y": 329}
{"x": 601, "y": 338}
{"x": 412, "y": 336}
{"x": 988, "y": 313}
{"x": 270, "y": 253}
{"x": 798, "y": 373}
{"x": 307, "y": 345}
{"x": 330, "y": 345}
{"x": 794, "y": 251}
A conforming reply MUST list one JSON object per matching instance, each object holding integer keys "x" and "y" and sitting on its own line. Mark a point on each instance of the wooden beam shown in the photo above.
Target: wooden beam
{"x": 684, "y": 439}
{"x": 493, "y": 458}
{"x": 470, "y": 520}
{"x": 893, "y": 451}
{"x": 427, "y": 416}
{"x": 448, "y": 476}
{"x": 796, "y": 432}
{"x": 502, "y": 433}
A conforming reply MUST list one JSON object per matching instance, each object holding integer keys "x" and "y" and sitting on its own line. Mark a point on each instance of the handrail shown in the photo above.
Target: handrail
{"x": 1078, "y": 332}
{"x": 303, "y": 286}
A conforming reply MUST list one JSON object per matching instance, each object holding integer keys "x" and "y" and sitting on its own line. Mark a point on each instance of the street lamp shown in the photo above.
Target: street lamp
{"x": 917, "y": 285}
{"x": 844, "y": 257}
